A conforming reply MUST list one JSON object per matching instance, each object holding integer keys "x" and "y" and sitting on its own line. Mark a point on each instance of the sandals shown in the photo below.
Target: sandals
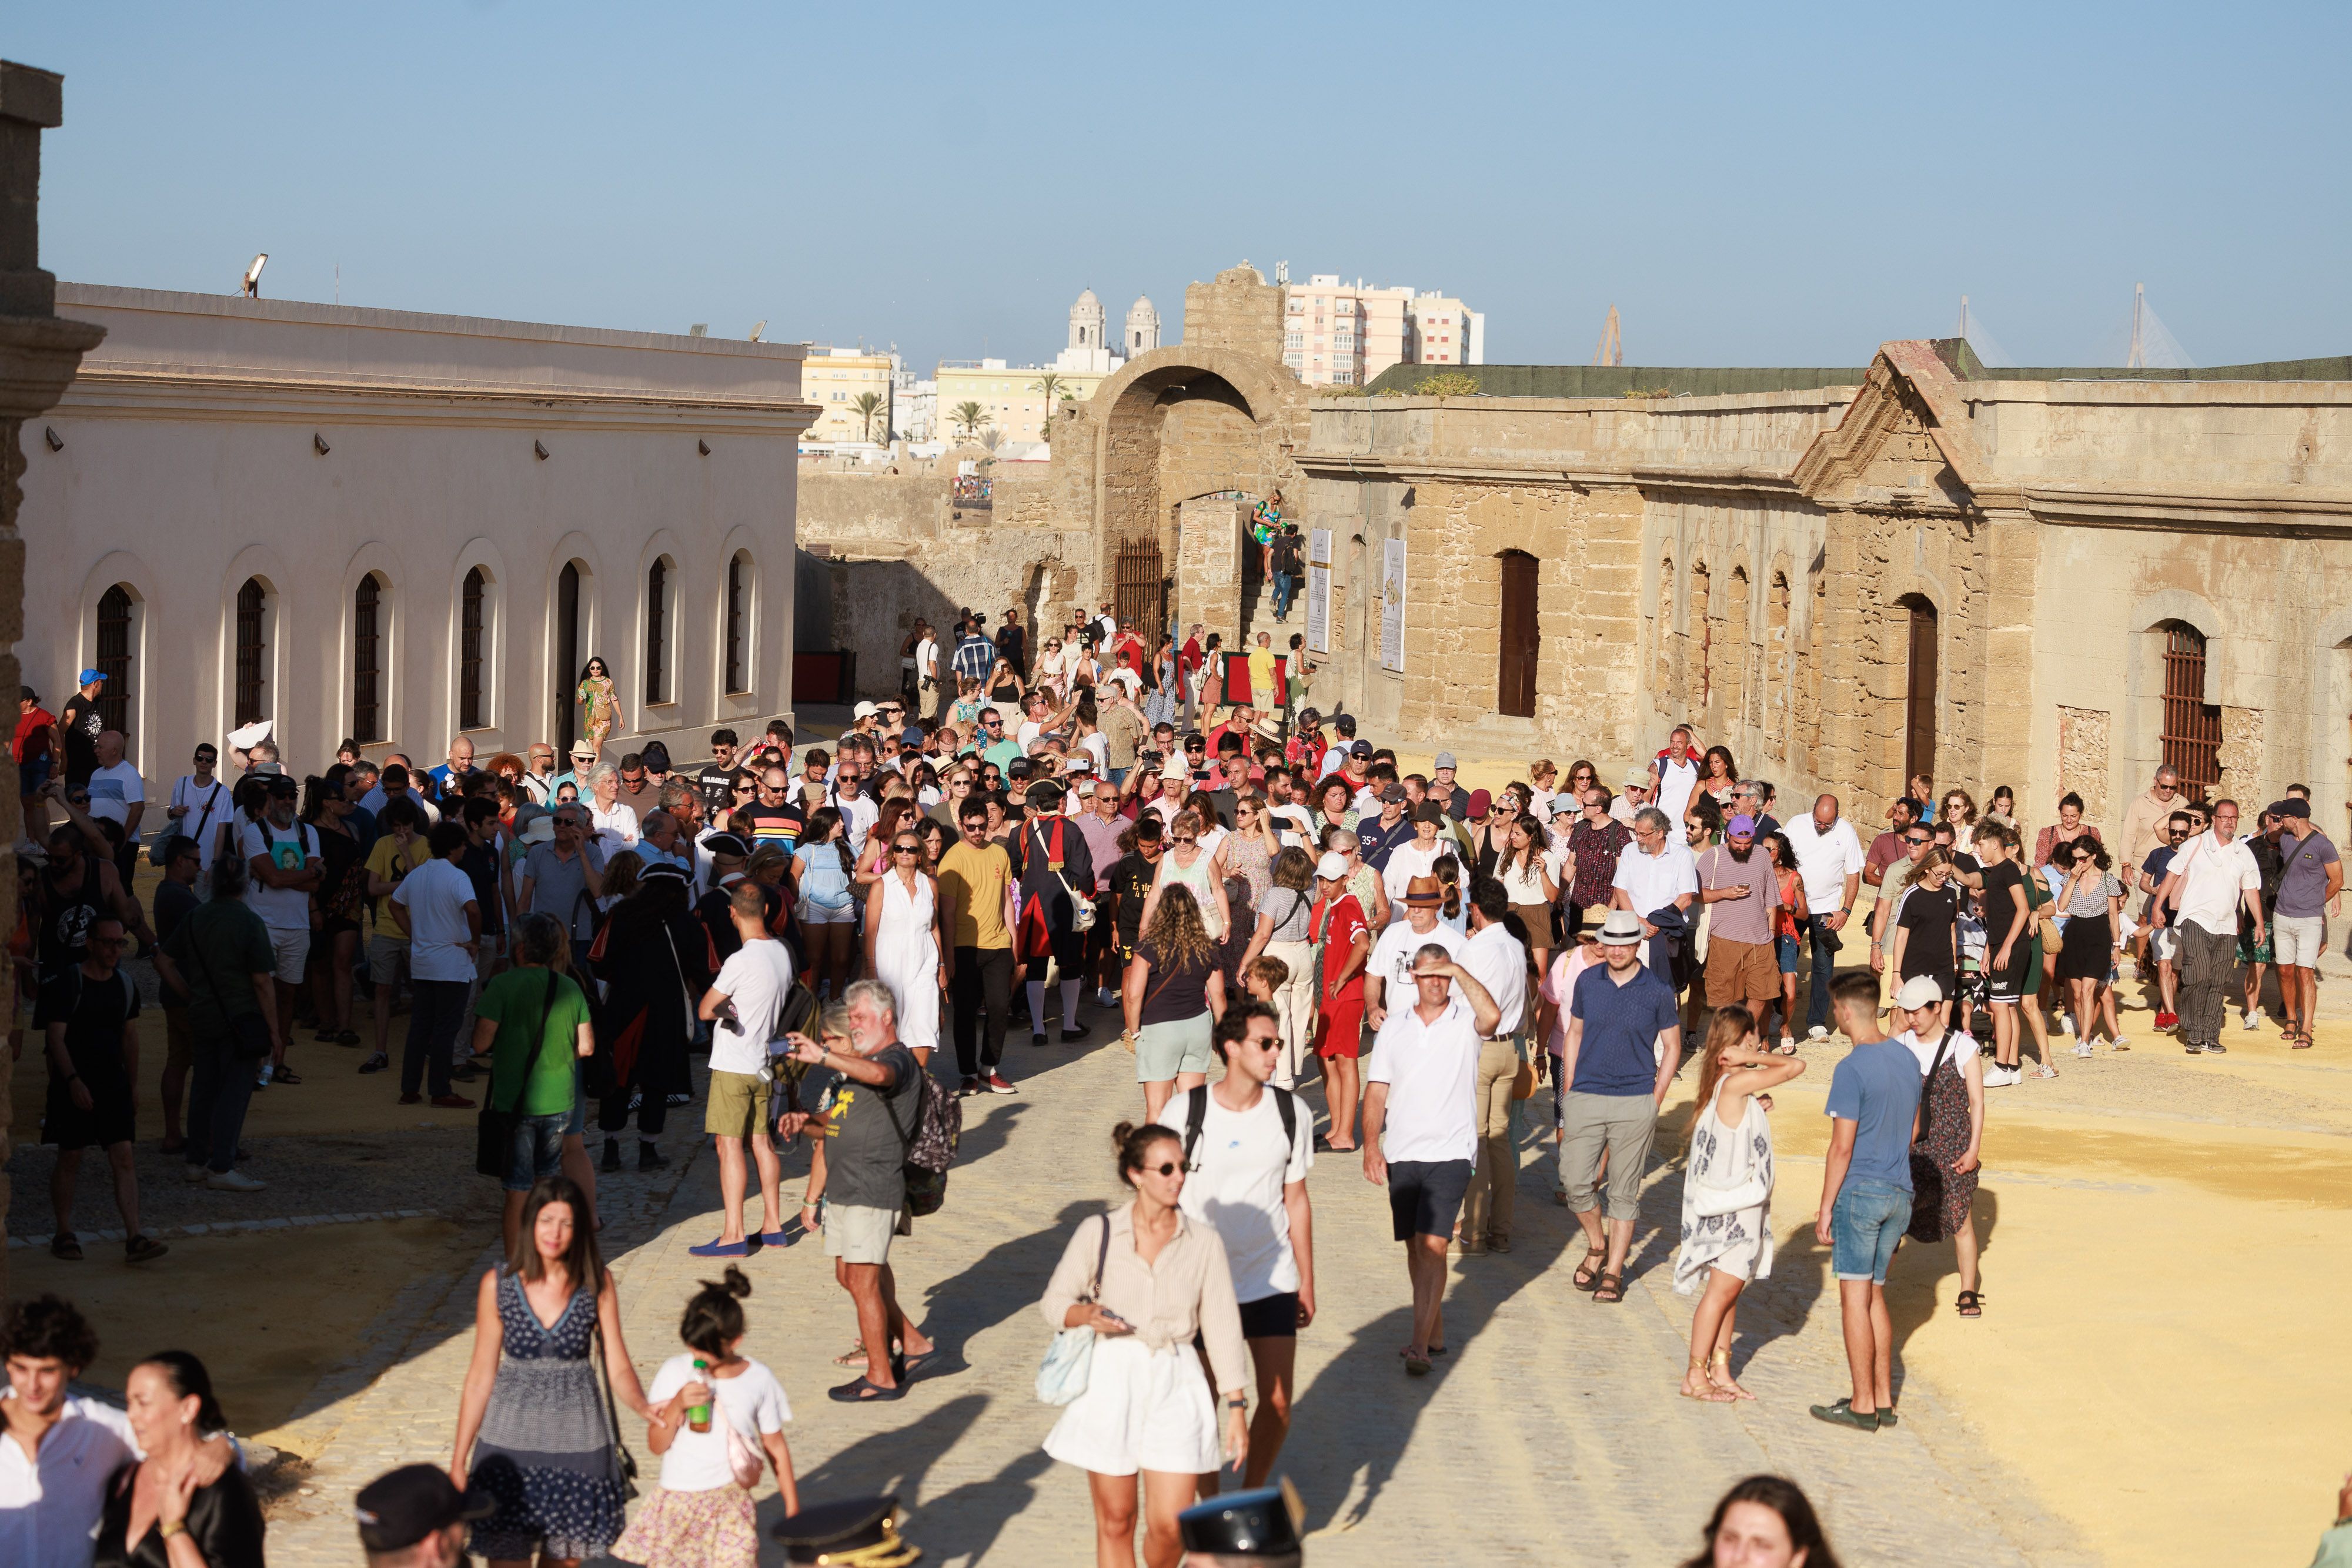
{"x": 1611, "y": 1289}
{"x": 1971, "y": 1303}
{"x": 1713, "y": 1394}
{"x": 857, "y": 1391}
{"x": 1587, "y": 1276}
{"x": 1414, "y": 1365}
{"x": 65, "y": 1244}
{"x": 142, "y": 1248}
{"x": 2301, "y": 1041}
{"x": 286, "y": 1075}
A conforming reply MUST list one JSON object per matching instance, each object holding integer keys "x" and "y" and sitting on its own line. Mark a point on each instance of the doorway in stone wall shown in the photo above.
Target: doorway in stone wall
{"x": 1515, "y": 680}
{"x": 1919, "y": 692}
{"x": 567, "y": 656}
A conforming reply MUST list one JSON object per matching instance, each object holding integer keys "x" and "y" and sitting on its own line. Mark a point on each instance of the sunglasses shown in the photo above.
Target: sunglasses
{"x": 743, "y": 789}
{"x": 77, "y": 800}
{"x": 905, "y": 849}
{"x": 1908, "y": 840}
{"x": 1182, "y": 839}
{"x": 1165, "y": 1169}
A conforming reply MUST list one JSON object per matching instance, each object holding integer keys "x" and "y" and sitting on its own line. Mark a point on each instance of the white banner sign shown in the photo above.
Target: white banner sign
{"x": 1393, "y": 591}
{"x": 1319, "y": 590}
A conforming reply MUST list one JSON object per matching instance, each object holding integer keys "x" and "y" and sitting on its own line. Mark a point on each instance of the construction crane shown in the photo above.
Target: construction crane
{"x": 1611, "y": 350}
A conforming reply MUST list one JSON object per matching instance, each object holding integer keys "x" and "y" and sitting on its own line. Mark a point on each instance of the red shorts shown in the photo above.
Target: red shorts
{"x": 1340, "y": 1030}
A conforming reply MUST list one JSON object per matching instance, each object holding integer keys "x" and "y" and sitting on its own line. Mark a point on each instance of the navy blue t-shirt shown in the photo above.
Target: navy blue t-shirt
{"x": 1374, "y": 842}
{"x": 1618, "y": 1053}
{"x": 1876, "y": 1087}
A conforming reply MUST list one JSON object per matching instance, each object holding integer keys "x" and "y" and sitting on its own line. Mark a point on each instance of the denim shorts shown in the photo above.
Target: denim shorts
{"x": 1865, "y": 1224}
{"x": 1788, "y": 948}
{"x": 537, "y": 1150}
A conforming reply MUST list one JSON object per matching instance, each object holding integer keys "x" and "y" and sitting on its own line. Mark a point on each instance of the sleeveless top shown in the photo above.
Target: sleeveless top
{"x": 1196, "y": 882}
{"x": 1247, "y": 858}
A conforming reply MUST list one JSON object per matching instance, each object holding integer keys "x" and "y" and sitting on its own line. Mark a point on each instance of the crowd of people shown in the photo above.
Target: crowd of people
{"x": 1249, "y": 897}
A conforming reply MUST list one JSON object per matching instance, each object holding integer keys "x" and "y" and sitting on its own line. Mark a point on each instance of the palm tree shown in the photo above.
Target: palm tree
{"x": 1056, "y": 390}
{"x": 868, "y": 404}
{"x": 969, "y": 417}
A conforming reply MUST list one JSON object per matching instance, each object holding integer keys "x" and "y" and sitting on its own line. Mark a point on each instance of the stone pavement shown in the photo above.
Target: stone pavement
{"x": 1552, "y": 1431}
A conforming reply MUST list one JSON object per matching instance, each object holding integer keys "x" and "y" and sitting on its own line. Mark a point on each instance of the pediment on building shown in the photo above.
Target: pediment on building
{"x": 1904, "y": 440}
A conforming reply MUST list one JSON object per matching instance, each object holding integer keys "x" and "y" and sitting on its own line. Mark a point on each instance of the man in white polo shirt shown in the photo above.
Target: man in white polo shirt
{"x": 1657, "y": 874}
{"x": 1829, "y": 862}
{"x": 2212, "y": 878}
{"x": 1420, "y": 1130}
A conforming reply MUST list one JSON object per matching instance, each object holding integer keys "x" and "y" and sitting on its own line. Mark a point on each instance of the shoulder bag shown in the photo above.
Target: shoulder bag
{"x": 248, "y": 1033}
{"x": 166, "y": 834}
{"x": 1062, "y": 1375}
{"x": 625, "y": 1463}
{"x": 494, "y": 1129}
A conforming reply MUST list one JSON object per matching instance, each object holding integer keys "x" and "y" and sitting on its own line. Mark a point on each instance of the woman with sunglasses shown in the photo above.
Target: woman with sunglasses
{"x": 905, "y": 941}
{"x": 889, "y": 817}
{"x": 1147, "y": 1282}
{"x": 2091, "y": 899}
{"x": 600, "y": 704}
{"x": 1189, "y": 865}
{"x": 827, "y": 911}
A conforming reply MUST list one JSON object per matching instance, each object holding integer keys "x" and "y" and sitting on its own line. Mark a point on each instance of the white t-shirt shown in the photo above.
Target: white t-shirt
{"x": 2212, "y": 876}
{"x": 1675, "y": 782}
{"x": 755, "y": 976}
{"x": 751, "y": 1402}
{"x": 1653, "y": 881}
{"x": 1500, "y": 964}
{"x": 1240, "y": 1167}
{"x": 435, "y": 894}
{"x": 280, "y": 908}
{"x": 858, "y": 815}
{"x": 114, "y": 791}
{"x": 208, "y": 807}
{"x": 1957, "y": 1045}
{"x": 1408, "y": 860}
{"x": 927, "y": 658}
{"x": 1391, "y": 958}
{"x": 617, "y": 829}
{"x": 1825, "y": 860}
{"x": 1432, "y": 1071}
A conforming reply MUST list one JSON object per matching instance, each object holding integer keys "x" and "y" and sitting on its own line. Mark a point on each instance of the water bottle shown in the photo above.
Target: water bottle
{"x": 697, "y": 1417}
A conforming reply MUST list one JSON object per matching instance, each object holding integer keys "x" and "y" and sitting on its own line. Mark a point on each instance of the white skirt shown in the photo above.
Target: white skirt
{"x": 1144, "y": 1409}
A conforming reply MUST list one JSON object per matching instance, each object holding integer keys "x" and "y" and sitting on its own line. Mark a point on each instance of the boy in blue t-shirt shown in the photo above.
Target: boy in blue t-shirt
{"x": 1866, "y": 1188}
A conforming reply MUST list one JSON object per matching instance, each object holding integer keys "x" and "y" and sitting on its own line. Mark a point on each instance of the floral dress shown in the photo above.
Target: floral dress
{"x": 1738, "y": 1243}
{"x": 1942, "y": 1196}
{"x": 600, "y": 709}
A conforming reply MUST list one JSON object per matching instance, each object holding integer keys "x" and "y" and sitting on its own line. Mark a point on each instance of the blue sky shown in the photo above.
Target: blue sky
{"x": 1748, "y": 185}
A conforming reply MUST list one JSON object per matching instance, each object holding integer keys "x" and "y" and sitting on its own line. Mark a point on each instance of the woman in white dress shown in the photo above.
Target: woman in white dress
{"x": 1147, "y": 1281}
{"x": 1727, "y": 1239}
{"x": 904, "y": 945}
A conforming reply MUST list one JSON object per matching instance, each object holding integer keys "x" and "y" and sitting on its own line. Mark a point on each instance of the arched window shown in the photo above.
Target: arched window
{"x": 252, "y": 692}
{"x": 657, "y": 632}
{"x": 367, "y": 659}
{"x": 568, "y": 637}
{"x": 2192, "y": 730}
{"x": 472, "y": 621}
{"x": 738, "y": 624}
{"x": 117, "y": 641}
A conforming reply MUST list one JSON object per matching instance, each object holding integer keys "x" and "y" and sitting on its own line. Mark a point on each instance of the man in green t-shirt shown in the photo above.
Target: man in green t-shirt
{"x": 534, "y": 1006}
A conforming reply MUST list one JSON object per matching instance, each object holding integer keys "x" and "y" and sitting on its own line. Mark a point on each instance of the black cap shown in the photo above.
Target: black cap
{"x": 402, "y": 1507}
{"x": 1241, "y": 1524}
{"x": 656, "y": 755}
{"x": 1345, "y": 724}
{"x": 726, "y": 844}
{"x": 2290, "y": 807}
{"x": 832, "y": 1532}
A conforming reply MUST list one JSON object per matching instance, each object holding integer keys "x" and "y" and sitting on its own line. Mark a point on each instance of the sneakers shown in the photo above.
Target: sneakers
{"x": 1818, "y": 1031}
{"x": 2083, "y": 1049}
{"x": 2192, "y": 1047}
{"x": 233, "y": 1181}
{"x": 2246, "y": 1020}
{"x": 2002, "y": 1077}
{"x": 968, "y": 1086}
{"x": 2216, "y": 1049}
{"x": 999, "y": 1085}
{"x": 193, "y": 1174}
{"x": 2167, "y": 1020}
{"x": 2068, "y": 1019}
{"x": 375, "y": 1063}
{"x": 1787, "y": 1045}
{"x": 1104, "y": 998}
{"x": 1844, "y": 1414}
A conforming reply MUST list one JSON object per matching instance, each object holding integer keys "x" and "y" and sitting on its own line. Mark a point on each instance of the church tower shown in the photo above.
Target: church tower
{"x": 1142, "y": 327}
{"x": 1087, "y": 322}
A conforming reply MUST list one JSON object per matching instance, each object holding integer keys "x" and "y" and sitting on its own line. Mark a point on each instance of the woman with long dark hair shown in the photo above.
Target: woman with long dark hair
{"x": 828, "y": 900}
{"x": 655, "y": 959}
{"x": 2091, "y": 899}
{"x": 1716, "y": 774}
{"x": 533, "y": 1425}
{"x": 1764, "y": 1523}
{"x": 600, "y": 704}
{"x": 153, "y": 1504}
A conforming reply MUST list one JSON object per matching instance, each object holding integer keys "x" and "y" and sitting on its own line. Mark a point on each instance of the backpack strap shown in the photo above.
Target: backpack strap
{"x": 1287, "y": 1104}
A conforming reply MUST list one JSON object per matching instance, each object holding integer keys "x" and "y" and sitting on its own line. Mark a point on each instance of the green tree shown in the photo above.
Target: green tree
{"x": 969, "y": 417}
{"x": 1056, "y": 390}
{"x": 868, "y": 404}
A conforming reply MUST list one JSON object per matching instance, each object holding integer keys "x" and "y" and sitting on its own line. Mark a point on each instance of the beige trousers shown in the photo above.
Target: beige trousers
{"x": 1493, "y": 1183}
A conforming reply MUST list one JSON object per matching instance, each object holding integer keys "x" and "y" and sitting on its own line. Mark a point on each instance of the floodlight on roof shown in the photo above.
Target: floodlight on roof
{"x": 758, "y": 330}
{"x": 251, "y": 287}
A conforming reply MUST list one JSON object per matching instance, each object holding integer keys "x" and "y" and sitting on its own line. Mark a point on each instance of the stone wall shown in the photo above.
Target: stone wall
{"x": 1237, "y": 311}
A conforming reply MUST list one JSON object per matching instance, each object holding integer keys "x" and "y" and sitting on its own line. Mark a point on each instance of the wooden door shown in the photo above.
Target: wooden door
{"x": 1919, "y": 696}
{"x": 567, "y": 659}
{"x": 1515, "y": 683}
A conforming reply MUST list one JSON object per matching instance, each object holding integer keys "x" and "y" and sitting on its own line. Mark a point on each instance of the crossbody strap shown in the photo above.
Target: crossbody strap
{"x": 539, "y": 1039}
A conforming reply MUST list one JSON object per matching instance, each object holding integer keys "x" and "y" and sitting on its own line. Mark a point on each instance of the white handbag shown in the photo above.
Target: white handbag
{"x": 1062, "y": 1375}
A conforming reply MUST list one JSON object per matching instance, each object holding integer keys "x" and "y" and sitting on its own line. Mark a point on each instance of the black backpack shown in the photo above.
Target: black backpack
{"x": 1196, "y": 1116}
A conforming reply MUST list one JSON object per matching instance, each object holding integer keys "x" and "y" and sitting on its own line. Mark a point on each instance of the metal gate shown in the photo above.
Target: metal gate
{"x": 1142, "y": 589}
{"x": 2192, "y": 731}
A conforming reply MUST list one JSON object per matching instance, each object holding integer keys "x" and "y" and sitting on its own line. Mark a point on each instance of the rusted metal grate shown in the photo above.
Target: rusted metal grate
{"x": 1143, "y": 590}
{"x": 114, "y": 613}
{"x": 2192, "y": 730}
{"x": 252, "y": 652}
{"x": 367, "y": 661}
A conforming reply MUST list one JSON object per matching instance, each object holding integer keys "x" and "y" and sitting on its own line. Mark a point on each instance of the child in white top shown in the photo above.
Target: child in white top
{"x": 702, "y": 1516}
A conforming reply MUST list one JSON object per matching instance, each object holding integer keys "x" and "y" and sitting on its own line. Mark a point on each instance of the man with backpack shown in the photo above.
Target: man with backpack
{"x": 869, "y": 1128}
{"x": 1247, "y": 1146}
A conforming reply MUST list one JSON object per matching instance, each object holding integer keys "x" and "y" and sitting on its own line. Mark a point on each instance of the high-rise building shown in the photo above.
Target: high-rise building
{"x": 1337, "y": 333}
{"x": 837, "y": 380}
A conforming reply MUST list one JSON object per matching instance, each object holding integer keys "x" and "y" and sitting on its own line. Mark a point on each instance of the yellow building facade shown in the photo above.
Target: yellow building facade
{"x": 836, "y": 380}
{"x": 1010, "y": 399}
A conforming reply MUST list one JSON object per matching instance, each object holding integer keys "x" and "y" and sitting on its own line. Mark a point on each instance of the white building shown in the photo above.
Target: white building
{"x": 915, "y": 405}
{"x": 1142, "y": 327}
{"x": 396, "y": 527}
{"x": 1337, "y": 333}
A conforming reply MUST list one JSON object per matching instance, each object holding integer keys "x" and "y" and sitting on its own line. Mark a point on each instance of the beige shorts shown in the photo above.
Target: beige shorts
{"x": 737, "y": 1105}
{"x": 857, "y": 1235}
{"x": 293, "y": 946}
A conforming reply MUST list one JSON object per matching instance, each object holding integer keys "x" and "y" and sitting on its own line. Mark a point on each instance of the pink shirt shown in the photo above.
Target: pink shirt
{"x": 1557, "y": 987}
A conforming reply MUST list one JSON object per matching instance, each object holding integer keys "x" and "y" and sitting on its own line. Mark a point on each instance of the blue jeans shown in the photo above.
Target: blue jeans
{"x": 1866, "y": 1224}
{"x": 537, "y": 1150}
{"x": 218, "y": 1098}
{"x": 1825, "y": 944}
{"x": 1282, "y": 591}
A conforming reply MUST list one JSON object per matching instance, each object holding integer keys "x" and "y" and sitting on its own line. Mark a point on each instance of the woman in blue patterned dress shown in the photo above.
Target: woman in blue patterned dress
{"x": 1726, "y": 1238}
{"x": 532, "y": 1424}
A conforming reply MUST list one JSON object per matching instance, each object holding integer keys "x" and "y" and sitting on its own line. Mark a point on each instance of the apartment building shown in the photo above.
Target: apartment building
{"x": 1337, "y": 333}
{"x": 836, "y": 380}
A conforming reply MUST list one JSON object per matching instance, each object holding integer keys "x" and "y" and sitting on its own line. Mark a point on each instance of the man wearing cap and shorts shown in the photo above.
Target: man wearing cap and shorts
{"x": 1421, "y": 1122}
{"x": 2311, "y": 883}
{"x": 1736, "y": 882}
{"x": 1874, "y": 1107}
{"x": 1624, "y": 1042}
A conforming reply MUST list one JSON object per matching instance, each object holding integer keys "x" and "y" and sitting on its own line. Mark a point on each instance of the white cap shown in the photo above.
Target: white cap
{"x": 1918, "y": 991}
{"x": 864, "y": 710}
{"x": 1332, "y": 866}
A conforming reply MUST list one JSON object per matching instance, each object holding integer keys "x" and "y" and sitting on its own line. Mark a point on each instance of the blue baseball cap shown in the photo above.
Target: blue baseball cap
{"x": 90, "y": 675}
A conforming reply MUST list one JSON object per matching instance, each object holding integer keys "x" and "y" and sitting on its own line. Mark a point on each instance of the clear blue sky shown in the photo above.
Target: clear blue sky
{"x": 1748, "y": 185}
